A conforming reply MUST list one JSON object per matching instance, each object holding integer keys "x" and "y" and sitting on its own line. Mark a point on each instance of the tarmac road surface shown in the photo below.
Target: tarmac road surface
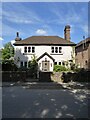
{"x": 22, "y": 102}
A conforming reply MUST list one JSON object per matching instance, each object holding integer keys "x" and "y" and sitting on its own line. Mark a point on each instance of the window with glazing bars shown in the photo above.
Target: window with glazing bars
{"x": 25, "y": 49}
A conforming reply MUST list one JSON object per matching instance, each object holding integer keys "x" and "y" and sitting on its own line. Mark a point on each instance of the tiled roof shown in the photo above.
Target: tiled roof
{"x": 44, "y": 55}
{"x": 44, "y": 40}
{"x": 83, "y": 41}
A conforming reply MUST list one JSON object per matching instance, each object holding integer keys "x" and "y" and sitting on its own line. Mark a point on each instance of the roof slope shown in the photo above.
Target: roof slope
{"x": 44, "y": 40}
{"x": 87, "y": 40}
{"x": 44, "y": 55}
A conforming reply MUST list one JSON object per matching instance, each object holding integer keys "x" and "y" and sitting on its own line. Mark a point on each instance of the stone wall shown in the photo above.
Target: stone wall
{"x": 81, "y": 76}
{"x": 56, "y": 76}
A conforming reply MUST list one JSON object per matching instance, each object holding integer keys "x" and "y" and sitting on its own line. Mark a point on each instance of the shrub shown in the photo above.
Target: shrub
{"x": 73, "y": 66}
{"x": 8, "y": 65}
{"x": 78, "y": 70}
{"x": 33, "y": 67}
{"x": 58, "y": 68}
{"x": 23, "y": 69}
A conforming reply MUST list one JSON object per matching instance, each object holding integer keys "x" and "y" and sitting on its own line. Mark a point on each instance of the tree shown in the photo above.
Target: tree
{"x": 33, "y": 66}
{"x": 7, "y": 51}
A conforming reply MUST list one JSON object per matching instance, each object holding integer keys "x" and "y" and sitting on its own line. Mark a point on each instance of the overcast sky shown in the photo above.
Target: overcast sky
{"x": 44, "y": 18}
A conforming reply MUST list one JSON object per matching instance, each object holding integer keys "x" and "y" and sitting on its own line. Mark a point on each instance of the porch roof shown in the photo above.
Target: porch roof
{"x": 44, "y": 55}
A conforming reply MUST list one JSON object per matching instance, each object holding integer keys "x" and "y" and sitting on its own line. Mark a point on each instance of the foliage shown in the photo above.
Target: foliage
{"x": 81, "y": 75}
{"x": 23, "y": 68}
{"x": 73, "y": 66}
{"x": 13, "y": 76}
{"x": 7, "y": 51}
{"x": 33, "y": 66}
{"x": 58, "y": 68}
{"x": 8, "y": 65}
{"x": 78, "y": 69}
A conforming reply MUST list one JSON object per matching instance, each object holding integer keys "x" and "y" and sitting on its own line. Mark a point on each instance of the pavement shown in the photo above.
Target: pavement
{"x": 65, "y": 101}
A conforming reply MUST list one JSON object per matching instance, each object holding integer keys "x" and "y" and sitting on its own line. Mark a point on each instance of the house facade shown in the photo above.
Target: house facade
{"x": 49, "y": 50}
{"x": 82, "y": 54}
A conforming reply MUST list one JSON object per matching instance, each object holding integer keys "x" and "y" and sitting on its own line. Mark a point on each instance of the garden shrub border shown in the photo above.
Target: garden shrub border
{"x": 13, "y": 76}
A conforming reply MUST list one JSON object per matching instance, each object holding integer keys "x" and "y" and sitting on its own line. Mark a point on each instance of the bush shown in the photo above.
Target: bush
{"x": 78, "y": 69}
{"x": 23, "y": 69}
{"x": 33, "y": 67}
{"x": 8, "y": 65}
{"x": 73, "y": 67}
{"x": 59, "y": 68}
{"x": 13, "y": 76}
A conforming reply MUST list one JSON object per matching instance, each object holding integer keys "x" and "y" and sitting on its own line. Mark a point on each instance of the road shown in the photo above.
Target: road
{"x": 23, "y": 102}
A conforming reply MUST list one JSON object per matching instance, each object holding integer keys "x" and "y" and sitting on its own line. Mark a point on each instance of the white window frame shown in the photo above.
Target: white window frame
{"x": 56, "y": 48}
{"x": 27, "y": 51}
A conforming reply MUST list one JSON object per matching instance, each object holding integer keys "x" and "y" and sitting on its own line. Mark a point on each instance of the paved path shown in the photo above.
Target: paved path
{"x": 23, "y": 102}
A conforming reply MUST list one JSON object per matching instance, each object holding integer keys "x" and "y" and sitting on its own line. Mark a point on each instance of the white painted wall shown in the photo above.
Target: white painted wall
{"x": 48, "y": 59}
{"x": 39, "y": 50}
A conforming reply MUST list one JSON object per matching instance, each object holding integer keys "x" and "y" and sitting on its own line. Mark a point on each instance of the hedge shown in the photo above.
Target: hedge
{"x": 13, "y": 76}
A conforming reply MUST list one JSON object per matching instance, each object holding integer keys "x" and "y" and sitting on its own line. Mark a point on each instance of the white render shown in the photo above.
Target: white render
{"x": 48, "y": 59}
{"x": 65, "y": 55}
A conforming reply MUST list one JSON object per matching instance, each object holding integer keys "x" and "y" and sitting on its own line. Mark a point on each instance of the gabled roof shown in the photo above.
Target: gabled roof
{"x": 44, "y": 40}
{"x": 87, "y": 40}
{"x": 44, "y": 55}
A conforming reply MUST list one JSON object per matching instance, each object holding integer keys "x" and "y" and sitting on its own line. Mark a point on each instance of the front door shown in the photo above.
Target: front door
{"x": 45, "y": 65}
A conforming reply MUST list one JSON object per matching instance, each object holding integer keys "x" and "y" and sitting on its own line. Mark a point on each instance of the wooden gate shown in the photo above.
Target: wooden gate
{"x": 45, "y": 77}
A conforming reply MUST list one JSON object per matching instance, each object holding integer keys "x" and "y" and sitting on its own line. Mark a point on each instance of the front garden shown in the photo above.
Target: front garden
{"x": 10, "y": 72}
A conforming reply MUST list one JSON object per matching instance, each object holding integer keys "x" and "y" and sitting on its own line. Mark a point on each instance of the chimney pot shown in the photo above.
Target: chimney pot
{"x": 17, "y": 34}
{"x": 17, "y": 37}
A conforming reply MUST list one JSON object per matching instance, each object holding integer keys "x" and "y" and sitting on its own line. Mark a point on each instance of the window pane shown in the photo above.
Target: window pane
{"x": 25, "y": 49}
{"x": 33, "y": 49}
{"x": 56, "y": 49}
{"x": 45, "y": 64}
{"x": 21, "y": 64}
{"x": 86, "y": 62}
{"x": 25, "y": 64}
{"x": 55, "y": 63}
{"x": 59, "y": 63}
{"x": 29, "y": 49}
{"x": 63, "y": 63}
{"x": 52, "y": 48}
{"x": 60, "y": 49}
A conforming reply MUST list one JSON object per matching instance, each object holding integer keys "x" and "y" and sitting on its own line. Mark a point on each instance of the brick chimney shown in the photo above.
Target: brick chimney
{"x": 17, "y": 37}
{"x": 67, "y": 33}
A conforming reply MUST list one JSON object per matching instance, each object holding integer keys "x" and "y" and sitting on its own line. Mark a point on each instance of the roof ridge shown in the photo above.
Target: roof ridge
{"x": 44, "y": 40}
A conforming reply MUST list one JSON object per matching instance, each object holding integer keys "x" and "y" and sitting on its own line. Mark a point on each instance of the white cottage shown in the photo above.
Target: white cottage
{"x": 49, "y": 50}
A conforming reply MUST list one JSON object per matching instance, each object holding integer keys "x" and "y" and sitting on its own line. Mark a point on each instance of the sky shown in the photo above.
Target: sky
{"x": 43, "y": 18}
